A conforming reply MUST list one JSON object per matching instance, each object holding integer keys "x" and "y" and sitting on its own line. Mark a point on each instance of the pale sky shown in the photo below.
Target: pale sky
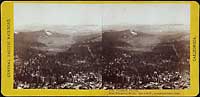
{"x": 100, "y": 14}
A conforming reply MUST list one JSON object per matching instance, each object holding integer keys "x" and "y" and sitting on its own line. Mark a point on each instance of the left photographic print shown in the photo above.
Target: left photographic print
{"x": 57, "y": 46}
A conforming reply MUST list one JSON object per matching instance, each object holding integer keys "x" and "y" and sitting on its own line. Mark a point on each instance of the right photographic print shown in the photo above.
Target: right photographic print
{"x": 146, "y": 46}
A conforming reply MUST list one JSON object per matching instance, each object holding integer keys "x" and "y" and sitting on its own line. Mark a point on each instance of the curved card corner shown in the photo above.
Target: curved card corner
{"x": 4, "y": 3}
{"x": 196, "y": 3}
{"x": 3, "y": 91}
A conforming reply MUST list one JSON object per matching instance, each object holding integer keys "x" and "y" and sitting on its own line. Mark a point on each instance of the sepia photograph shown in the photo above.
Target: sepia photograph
{"x": 101, "y": 46}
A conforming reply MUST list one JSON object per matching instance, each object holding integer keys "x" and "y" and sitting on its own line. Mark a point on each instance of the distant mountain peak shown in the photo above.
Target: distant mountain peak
{"x": 48, "y": 33}
{"x": 133, "y": 32}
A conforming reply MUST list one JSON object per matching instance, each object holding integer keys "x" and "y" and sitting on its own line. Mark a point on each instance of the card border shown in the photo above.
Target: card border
{"x": 7, "y": 41}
